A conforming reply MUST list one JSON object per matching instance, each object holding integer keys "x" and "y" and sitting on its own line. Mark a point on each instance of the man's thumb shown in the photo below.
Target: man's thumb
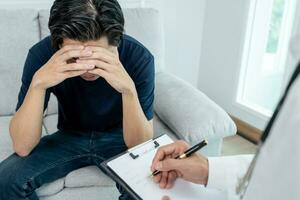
{"x": 167, "y": 165}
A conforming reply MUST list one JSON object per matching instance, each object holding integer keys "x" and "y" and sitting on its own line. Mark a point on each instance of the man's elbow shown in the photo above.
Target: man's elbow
{"x": 21, "y": 147}
{"x": 149, "y": 134}
{"x": 137, "y": 141}
{"x": 21, "y": 151}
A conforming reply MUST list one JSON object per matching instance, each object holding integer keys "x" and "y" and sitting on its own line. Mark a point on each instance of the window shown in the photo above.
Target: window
{"x": 264, "y": 61}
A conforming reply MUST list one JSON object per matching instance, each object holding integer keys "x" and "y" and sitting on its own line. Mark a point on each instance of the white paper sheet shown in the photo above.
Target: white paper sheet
{"x": 135, "y": 172}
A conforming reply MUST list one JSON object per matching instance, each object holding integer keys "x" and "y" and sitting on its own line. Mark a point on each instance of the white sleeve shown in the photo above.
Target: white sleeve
{"x": 225, "y": 172}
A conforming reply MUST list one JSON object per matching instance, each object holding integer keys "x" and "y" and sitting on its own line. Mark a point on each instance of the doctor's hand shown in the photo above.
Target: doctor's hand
{"x": 193, "y": 168}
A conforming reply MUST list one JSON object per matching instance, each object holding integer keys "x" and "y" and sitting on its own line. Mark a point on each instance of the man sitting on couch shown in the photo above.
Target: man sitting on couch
{"x": 104, "y": 84}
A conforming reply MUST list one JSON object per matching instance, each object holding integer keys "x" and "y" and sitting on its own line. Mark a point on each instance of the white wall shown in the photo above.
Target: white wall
{"x": 183, "y": 34}
{"x": 223, "y": 39}
{"x": 12, "y": 4}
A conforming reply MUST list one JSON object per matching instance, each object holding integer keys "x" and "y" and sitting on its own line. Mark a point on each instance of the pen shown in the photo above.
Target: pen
{"x": 186, "y": 154}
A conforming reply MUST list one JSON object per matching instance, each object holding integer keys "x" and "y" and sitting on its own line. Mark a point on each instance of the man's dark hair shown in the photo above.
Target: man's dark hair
{"x": 85, "y": 20}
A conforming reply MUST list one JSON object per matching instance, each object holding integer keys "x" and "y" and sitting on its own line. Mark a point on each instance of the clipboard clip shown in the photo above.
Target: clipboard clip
{"x": 135, "y": 156}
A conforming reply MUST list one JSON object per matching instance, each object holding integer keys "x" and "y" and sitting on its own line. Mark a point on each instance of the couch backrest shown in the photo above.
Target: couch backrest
{"x": 20, "y": 29}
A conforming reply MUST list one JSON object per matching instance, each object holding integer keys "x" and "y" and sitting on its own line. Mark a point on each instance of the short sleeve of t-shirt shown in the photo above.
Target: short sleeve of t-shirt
{"x": 139, "y": 63}
{"x": 145, "y": 87}
{"x": 32, "y": 64}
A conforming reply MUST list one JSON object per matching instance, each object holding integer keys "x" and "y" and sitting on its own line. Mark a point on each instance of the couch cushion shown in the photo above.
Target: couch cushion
{"x": 51, "y": 188}
{"x": 52, "y": 105}
{"x": 50, "y": 123}
{"x": 19, "y": 31}
{"x": 188, "y": 112}
{"x": 88, "y": 176}
{"x": 161, "y": 128}
{"x": 85, "y": 193}
{"x": 6, "y": 147}
{"x": 144, "y": 24}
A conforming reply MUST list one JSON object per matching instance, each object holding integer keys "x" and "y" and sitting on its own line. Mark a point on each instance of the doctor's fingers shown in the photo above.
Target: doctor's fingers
{"x": 169, "y": 164}
{"x": 169, "y": 150}
{"x": 164, "y": 180}
{"x": 166, "y": 198}
{"x": 172, "y": 176}
{"x": 165, "y": 177}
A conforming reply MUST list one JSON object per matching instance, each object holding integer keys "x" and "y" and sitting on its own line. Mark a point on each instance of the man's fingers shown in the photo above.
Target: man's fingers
{"x": 100, "y": 72}
{"x": 75, "y": 54}
{"x": 71, "y": 74}
{"x": 76, "y": 67}
{"x": 102, "y": 50}
{"x": 98, "y": 63}
{"x": 100, "y": 56}
{"x": 68, "y": 48}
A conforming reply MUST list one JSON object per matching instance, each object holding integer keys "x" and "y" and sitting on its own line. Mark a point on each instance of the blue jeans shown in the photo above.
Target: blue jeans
{"x": 54, "y": 157}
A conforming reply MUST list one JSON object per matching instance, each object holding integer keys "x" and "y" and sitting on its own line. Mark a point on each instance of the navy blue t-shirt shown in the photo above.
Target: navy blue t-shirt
{"x": 94, "y": 105}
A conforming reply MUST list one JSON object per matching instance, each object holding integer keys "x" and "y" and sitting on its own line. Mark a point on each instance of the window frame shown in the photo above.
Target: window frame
{"x": 259, "y": 17}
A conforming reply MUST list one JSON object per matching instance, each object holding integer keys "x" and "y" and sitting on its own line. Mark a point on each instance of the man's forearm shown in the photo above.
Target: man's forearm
{"x": 26, "y": 125}
{"x": 137, "y": 128}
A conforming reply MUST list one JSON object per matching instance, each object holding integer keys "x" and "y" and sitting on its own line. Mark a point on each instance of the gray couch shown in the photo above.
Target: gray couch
{"x": 180, "y": 110}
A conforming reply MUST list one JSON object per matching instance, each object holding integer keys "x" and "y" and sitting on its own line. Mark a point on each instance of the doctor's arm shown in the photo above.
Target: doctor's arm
{"x": 226, "y": 171}
{"x": 214, "y": 172}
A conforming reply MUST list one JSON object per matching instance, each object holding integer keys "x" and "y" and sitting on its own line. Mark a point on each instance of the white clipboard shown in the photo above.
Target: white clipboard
{"x": 132, "y": 169}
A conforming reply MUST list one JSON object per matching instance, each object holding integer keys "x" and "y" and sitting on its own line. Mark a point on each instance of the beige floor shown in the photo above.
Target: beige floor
{"x": 235, "y": 145}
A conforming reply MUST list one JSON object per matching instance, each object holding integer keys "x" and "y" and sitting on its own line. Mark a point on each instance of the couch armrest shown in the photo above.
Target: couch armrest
{"x": 188, "y": 112}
